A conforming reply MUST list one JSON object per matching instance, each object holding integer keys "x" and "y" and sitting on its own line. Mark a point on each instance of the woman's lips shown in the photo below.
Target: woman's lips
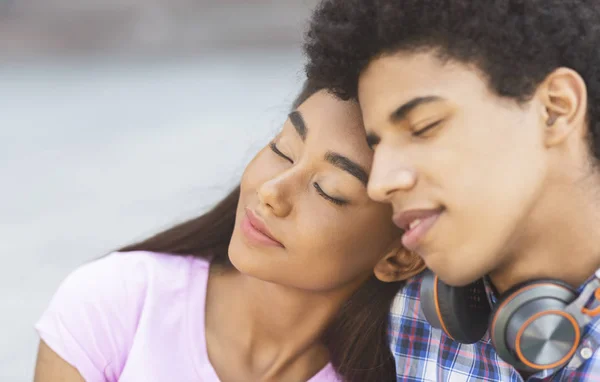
{"x": 257, "y": 231}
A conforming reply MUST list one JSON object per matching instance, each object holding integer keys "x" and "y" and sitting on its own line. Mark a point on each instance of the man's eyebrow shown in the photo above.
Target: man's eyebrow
{"x": 347, "y": 165}
{"x": 402, "y": 111}
{"x": 298, "y": 122}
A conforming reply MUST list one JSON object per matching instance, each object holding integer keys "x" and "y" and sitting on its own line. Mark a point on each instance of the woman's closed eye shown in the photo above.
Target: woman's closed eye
{"x": 336, "y": 201}
{"x": 273, "y": 147}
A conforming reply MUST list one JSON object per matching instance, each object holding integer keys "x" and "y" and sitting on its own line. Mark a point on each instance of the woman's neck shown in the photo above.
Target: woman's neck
{"x": 272, "y": 330}
{"x": 561, "y": 239}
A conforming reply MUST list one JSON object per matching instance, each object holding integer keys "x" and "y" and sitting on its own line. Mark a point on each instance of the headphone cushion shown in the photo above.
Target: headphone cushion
{"x": 461, "y": 312}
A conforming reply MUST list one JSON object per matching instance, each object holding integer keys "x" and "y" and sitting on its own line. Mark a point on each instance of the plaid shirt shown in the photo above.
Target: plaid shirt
{"x": 423, "y": 353}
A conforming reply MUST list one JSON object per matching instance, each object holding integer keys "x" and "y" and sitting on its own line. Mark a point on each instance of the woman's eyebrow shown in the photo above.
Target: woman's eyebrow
{"x": 347, "y": 165}
{"x": 298, "y": 122}
{"x": 335, "y": 159}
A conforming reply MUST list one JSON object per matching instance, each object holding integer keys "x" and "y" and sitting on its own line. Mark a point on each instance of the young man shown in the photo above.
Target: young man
{"x": 485, "y": 120}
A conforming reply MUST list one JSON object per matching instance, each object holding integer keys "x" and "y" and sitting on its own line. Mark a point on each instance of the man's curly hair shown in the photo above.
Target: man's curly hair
{"x": 514, "y": 43}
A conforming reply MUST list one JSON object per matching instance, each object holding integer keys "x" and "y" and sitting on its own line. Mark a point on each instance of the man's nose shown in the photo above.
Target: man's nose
{"x": 389, "y": 175}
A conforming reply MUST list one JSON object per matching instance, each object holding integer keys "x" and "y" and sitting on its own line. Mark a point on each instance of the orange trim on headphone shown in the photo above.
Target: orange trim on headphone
{"x": 593, "y": 312}
{"x": 437, "y": 307}
{"x": 562, "y": 360}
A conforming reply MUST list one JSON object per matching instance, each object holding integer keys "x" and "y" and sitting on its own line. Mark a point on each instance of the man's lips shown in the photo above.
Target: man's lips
{"x": 416, "y": 223}
{"x": 257, "y": 230}
{"x": 405, "y": 219}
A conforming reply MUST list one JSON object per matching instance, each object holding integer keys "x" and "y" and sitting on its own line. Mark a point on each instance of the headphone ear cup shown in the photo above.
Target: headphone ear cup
{"x": 461, "y": 312}
{"x": 529, "y": 318}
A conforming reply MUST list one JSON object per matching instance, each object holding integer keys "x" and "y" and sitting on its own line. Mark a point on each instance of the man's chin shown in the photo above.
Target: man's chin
{"x": 458, "y": 275}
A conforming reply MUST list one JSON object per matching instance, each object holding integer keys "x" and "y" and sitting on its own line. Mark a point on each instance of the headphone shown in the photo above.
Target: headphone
{"x": 536, "y": 325}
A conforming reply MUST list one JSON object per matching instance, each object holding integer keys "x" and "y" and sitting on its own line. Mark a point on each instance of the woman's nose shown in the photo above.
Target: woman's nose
{"x": 274, "y": 196}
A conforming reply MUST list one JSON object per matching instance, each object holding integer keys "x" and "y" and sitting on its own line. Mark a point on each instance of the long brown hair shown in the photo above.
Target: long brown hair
{"x": 357, "y": 337}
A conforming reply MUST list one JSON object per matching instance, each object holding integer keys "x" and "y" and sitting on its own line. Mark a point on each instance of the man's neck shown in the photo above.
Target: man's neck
{"x": 560, "y": 241}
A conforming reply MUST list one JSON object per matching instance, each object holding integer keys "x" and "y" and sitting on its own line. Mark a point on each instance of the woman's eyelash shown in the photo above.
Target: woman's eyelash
{"x": 426, "y": 128}
{"x": 320, "y": 191}
{"x": 273, "y": 147}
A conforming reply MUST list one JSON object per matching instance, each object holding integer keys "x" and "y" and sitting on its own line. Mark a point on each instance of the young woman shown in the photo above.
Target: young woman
{"x": 289, "y": 278}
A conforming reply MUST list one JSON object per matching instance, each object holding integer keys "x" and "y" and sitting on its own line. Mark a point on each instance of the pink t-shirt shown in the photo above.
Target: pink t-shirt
{"x": 136, "y": 316}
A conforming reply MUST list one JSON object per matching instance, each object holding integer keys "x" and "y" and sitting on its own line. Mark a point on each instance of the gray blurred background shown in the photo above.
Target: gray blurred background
{"x": 122, "y": 117}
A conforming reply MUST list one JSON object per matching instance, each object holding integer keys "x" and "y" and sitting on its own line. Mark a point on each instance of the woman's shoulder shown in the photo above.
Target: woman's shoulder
{"x": 95, "y": 314}
{"x": 124, "y": 281}
{"x": 135, "y": 270}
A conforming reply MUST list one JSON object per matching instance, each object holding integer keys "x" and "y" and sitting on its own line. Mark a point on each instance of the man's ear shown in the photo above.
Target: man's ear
{"x": 398, "y": 264}
{"x": 563, "y": 95}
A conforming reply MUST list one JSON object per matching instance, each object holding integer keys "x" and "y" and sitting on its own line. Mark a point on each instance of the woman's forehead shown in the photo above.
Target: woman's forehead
{"x": 336, "y": 125}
